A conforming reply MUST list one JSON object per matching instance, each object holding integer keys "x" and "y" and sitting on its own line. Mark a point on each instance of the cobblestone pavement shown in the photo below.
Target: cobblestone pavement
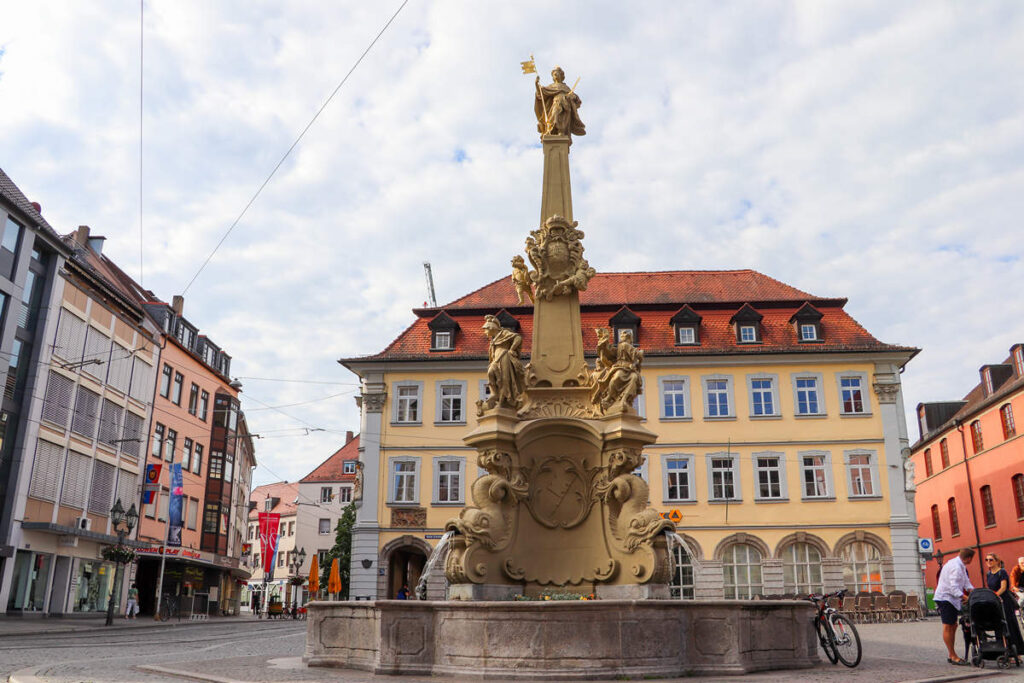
{"x": 244, "y": 649}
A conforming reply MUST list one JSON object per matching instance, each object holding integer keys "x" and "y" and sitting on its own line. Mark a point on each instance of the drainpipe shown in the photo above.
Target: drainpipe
{"x": 970, "y": 491}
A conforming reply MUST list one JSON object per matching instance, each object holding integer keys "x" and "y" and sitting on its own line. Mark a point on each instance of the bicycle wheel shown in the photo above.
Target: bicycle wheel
{"x": 826, "y": 642}
{"x": 846, "y": 639}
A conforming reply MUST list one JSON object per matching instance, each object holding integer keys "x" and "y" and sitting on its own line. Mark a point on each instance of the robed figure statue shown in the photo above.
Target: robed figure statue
{"x": 506, "y": 376}
{"x": 557, "y": 107}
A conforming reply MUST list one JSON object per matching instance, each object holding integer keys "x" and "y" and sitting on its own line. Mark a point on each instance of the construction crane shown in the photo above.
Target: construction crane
{"x": 432, "y": 297}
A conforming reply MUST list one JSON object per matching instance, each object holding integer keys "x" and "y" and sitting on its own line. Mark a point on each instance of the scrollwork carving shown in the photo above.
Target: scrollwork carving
{"x": 374, "y": 403}
{"x": 556, "y": 253}
{"x": 631, "y": 522}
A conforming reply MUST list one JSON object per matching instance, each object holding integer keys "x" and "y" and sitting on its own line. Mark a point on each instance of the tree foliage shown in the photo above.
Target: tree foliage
{"x": 342, "y": 550}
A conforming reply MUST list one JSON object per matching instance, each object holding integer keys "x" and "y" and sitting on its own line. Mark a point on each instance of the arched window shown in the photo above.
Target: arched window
{"x": 1018, "y": 494}
{"x": 741, "y": 569}
{"x": 976, "y": 440}
{"x": 801, "y": 569}
{"x": 682, "y": 583}
{"x": 936, "y": 524}
{"x": 954, "y": 521}
{"x": 862, "y": 566}
{"x": 944, "y": 453}
{"x": 927, "y": 462}
{"x": 1006, "y": 416}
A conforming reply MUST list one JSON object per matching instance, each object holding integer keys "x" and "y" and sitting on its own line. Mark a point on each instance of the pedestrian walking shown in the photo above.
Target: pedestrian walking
{"x": 133, "y": 602}
{"x": 950, "y": 592}
{"x": 1017, "y": 581}
{"x": 403, "y": 593}
{"x": 998, "y": 580}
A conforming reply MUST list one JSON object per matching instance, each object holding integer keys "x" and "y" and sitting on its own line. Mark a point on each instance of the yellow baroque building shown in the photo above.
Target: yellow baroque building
{"x": 781, "y": 433}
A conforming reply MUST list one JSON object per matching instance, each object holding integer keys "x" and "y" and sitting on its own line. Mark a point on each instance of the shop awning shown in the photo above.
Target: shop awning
{"x": 61, "y": 530}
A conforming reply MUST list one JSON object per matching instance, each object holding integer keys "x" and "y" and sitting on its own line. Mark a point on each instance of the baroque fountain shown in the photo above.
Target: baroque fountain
{"x": 559, "y": 508}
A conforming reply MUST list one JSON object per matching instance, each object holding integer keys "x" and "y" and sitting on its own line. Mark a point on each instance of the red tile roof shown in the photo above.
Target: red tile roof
{"x": 285, "y": 493}
{"x": 655, "y": 298}
{"x": 332, "y": 469}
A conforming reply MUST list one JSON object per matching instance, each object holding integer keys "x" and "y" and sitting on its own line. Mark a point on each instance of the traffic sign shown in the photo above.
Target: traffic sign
{"x": 925, "y": 546}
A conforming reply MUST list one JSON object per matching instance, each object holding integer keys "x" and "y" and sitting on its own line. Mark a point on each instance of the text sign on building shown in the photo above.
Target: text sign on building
{"x": 925, "y": 546}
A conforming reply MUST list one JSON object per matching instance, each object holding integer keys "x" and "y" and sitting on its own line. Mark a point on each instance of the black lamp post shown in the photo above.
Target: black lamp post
{"x": 123, "y": 523}
{"x": 298, "y": 559}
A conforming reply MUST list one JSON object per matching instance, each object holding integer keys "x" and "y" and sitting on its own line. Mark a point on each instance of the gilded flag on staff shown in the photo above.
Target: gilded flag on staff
{"x": 269, "y": 525}
{"x": 528, "y": 66}
{"x": 174, "y": 508}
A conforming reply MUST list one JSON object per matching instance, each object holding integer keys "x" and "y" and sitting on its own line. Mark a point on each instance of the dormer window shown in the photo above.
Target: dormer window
{"x": 1018, "y": 359}
{"x": 443, "y": 340}
{"x": 807, "y": 323}
{"x": 348, "y": 467}
{"x": 986, "y": 378}
{"x": 625, "y": 321}
{"x": 442, "y": 332}
{"x": 747, "y": 323}
{"x": 686, "y": 323}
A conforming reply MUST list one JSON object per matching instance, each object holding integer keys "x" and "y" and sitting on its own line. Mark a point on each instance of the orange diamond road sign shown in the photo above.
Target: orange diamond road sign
{"x": 675, "y": 515}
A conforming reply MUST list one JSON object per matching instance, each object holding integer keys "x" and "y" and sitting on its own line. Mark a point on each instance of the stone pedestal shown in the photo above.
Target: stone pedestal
{"x": 562, "y": 640}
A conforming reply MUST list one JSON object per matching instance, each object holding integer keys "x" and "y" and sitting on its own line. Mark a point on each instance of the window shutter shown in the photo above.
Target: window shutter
{"x": 97, "y": 348}
{"x": 127, "y": 488}
{"x": 46, "y": 471}
{"x": 110, "y": 422}
{"x": 70, "y": 339}
{"x": 142, "y": 381}
{"x": 76, "y": 480}
{"x": 120, "y": 368}
{"x": 57, "y": 401}
{"x": 102, "y": 488}
{"x": 132, "y": 430}
{"x": 86, "y": 411}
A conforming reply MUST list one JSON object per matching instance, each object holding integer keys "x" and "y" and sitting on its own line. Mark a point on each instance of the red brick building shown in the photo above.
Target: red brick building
{"x": 969, "y": 469}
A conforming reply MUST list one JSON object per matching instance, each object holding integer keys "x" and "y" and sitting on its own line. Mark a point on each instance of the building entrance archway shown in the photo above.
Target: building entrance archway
{"x": 404, "y": 559}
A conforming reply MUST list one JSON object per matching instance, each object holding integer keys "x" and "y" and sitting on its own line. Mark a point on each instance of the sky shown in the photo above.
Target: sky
{"x": 867, "y": 150}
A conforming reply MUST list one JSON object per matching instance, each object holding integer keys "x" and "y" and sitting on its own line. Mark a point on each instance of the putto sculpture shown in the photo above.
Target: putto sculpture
{"x": 521, "y": 279}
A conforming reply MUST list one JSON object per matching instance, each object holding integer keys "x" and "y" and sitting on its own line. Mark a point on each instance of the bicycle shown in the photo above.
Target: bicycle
{"x": 836, "y": 633}
{"x": 169, "y": 608}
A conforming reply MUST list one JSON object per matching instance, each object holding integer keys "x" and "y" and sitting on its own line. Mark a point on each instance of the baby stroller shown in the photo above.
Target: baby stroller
{"x": 985, "y": 631}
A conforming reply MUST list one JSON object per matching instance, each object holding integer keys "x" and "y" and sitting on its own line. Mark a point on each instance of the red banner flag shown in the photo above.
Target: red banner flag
{"x": 270, "y": 523}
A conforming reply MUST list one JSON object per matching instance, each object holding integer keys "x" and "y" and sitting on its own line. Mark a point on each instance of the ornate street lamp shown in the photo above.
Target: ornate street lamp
{"x": 298, "y": 559}
{"x": 123, "y": 523}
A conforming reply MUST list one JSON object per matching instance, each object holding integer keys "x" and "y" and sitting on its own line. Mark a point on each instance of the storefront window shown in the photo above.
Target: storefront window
{"x": 28, "y": 590}
{"x": 92, "y": 586}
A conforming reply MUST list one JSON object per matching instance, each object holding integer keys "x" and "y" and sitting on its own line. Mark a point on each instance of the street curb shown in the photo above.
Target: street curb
{"x": 62, "y": 630}
{"x": 188, "y": 676}
{"x": 959, "y": 677}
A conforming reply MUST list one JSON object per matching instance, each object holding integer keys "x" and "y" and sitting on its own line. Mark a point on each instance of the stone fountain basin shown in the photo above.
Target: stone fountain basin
{"x": 562, "y": 640}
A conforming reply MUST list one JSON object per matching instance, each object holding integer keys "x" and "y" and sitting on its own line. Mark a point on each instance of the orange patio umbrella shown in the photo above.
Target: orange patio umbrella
{"x": 314, "y": 576}
{"x": 334, "y": 581}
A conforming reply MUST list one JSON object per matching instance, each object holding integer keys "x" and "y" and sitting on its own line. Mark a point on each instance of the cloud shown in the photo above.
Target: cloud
{"x": 854, "y": 149}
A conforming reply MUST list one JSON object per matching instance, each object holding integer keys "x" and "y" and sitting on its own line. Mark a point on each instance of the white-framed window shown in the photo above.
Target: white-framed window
{"x": 348, "y": 467}
{"x": 770, "y": 476}
{"x": 718, "y": 397}
{"x": 449, "y": 476}
{"x": 407, "y": 405}
{"x": 620, "y": 331}
{"x": 723, "y": 477}
{"x": 748, "y": 334}
{"x": 1018, "y": 360}
{"x": 324, "y": 526}
{"x": 808, "y": 332}
{"x": 741, "y": 571}
{"x": 484, "y": 390}
{"x": 862, "y": 567}
{"x": 861, "y": 473}
{"x": 444, "y": 340}
{"x": 345, "y": 494}
{"x": 450, "y": 403}
{"x": 764, "y": 395}
{"x": 404, "y": 480}
{"x": 682, "y": 585}
{"x": 808, "y": 398}
{"x": 641, "y": 471}
{"x": 678, "y": 480}
{"x": 674, "y": 393}
{"x": 816, "y": 475}
{"x": 326, "y": 494}
{"x": 853, "y": 397}
{"x": 686, "y": 334}
{"x": 801, "y": 569}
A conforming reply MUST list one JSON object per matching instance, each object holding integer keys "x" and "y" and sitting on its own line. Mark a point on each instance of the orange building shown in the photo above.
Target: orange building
{"x": 969, "y": 470}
